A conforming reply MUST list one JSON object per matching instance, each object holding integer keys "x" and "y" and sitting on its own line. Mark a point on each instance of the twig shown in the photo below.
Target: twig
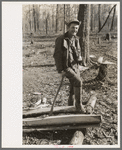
{"x": 107, "y": 136}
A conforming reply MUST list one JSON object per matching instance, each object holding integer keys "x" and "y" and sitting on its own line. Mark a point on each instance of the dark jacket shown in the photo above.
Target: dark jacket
{"x": 62, "y": 50}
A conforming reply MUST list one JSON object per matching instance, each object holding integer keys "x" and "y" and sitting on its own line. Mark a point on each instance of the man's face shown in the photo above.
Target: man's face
{"x": 73, "y": 29}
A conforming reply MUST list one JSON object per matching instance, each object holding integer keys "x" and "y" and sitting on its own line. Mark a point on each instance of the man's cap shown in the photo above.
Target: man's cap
{"x": 73, "y": 21}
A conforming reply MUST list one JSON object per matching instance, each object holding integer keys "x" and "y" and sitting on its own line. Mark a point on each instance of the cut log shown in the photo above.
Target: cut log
{"x": 77, "y": 138}
{"x": 56, "y": 128}
{"x": 62, "y": 120}
{"x": 91, "y": 103}
{"x": 42, "y": 111}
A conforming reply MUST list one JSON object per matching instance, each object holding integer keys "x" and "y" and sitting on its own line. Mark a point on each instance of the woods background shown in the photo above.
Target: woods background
{"x": 48, "y": 19}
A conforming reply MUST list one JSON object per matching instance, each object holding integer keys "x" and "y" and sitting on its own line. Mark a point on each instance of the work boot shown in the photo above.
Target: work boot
{"x": 78, "y": 100}
{"x": 71, "y": 100}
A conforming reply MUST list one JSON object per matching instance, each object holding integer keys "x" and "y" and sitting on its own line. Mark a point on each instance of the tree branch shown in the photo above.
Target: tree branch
{"x": 107, "y": 18}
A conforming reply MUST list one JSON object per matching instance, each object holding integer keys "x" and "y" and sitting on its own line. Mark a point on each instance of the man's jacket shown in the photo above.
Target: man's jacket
{"x": 62, "y": 52}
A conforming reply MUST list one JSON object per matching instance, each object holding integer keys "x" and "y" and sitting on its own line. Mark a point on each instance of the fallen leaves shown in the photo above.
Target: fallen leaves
{"x": 40, "y": 76}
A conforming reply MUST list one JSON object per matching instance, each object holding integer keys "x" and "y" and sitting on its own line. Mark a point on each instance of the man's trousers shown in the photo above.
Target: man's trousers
{"x": 75, "y": 87}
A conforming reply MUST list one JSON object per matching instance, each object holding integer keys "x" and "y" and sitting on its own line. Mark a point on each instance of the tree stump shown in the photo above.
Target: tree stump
{"x": 102, "y": 75}
{"x": 31, "y": 36}
{"x": 102, "y": 72}
{"x": 99, "y": 40}
{"x": 108, "y": 36}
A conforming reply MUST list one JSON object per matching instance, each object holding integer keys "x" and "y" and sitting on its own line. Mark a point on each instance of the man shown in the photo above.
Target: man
{"x": 66, "y": 55}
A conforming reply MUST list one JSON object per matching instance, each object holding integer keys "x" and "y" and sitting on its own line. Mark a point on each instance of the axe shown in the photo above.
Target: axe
{"x": 51, "y": 111}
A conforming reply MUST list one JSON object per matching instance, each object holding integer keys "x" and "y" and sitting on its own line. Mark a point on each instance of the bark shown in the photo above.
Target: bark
{"x": 108, "y": 36}
{"x": 78, "y": 138}
{"x": 107, "y": 18}
{"x": 52, "y": 21}
{"x": 34, "y": 18}
{"x": 112, "y": 24}
{"x": 37, "y": 16}
{"x": 91, "y": 103}
{"x": 63, "y": 127}
{"x": 30, "y": 18}
{"x": 41, "y": 111}
{"x": 100, "y": 77}
{"x": 62, "y": 120}
{"x": 92, "y": 17}
{"x": 56, "y": 19}
{"x": 64, "y": 18}
{"x": 84, "y": 17}
{"x": 99, "y": 24}
{"x": 102, "y": 72}
{"x": 46, "y": 25}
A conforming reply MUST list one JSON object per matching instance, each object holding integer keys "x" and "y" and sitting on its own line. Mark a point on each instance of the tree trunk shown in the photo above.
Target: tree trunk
{"x": 46, "y": 25}
{"x": 84, "y": 17}
{"x": 52, "y": 21}
{"x": 37, "y": 17}
{"x": 34, "y": 18}
{"x": 102, "y": 72}
{"x": 113, "y": 19}
{"x": 64, "y": 18}
{"x": 29, "y": 18}
{"x": 56, "y": 29}
{"x": 99, "y": 23}
{"x": 67, "y": 12}
{"x": 107, "y": 18}
{"x": 92, "y": 15}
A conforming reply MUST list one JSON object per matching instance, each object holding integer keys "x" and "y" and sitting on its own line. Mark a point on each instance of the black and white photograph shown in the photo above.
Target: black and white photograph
{"x": 70, "y": 80}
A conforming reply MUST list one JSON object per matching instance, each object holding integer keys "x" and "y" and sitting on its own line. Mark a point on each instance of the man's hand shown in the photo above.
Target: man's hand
{"x": 62, "y": 74}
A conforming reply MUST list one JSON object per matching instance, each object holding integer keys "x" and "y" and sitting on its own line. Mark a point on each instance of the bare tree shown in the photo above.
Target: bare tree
{"x": 99, "y": 21}
{"x": 64, "y": 18}
{"x": 92, "y": 17}
{"x": 34, "y": 17}
{"x": 112, "y": 24}
{"x": 56, "y": 29}
{"x": 47, "y": 19}
{"x": 30, "y": 17}
{"x": 84, "y": 17}
{"x": 37, "y": 16}
{"x": 107, "y": 18}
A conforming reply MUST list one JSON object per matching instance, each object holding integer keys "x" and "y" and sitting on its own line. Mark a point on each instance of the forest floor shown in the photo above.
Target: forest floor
{"x": 40, "y": 75}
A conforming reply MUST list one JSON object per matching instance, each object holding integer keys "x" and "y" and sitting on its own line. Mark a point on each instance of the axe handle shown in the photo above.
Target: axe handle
{"x": 51, "y": 111}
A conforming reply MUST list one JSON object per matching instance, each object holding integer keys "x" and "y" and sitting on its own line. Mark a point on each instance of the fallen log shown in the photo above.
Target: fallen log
{"x": 81, "y": 119}
{"x": 91, "y": 103}
{"x": 56, "y": 128}
{"x": 42, "y": 111}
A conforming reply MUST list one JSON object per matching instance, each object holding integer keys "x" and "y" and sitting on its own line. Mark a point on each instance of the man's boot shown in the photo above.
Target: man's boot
{"x": 71, "y": 100}
{"x": 78, "y": 99}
